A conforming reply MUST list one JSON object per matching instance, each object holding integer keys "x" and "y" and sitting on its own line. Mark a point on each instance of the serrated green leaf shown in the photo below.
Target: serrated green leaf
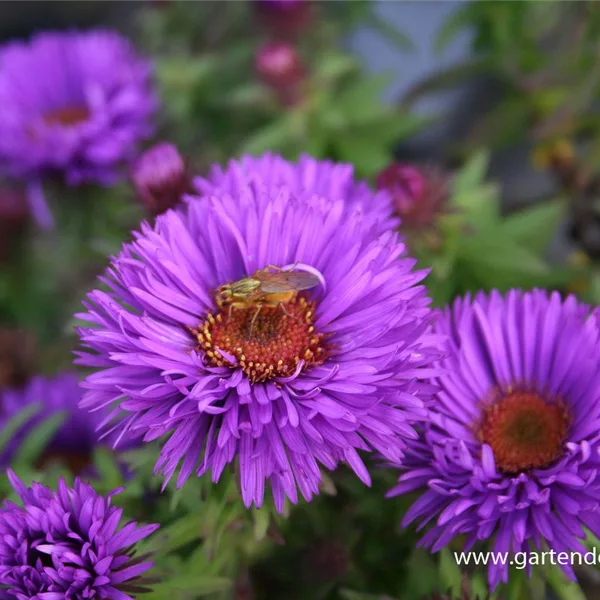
{"x": 38, "y": 439}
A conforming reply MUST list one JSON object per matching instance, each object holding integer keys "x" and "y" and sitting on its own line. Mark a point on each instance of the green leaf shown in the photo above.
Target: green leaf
{"x": 397, "y": 37}
{"x": 563, "y": 588}
{"x": 421, "y": 575}
{"x": 262, "y": 519}
{"x": 38, "y": 439}
{"x": 457, "y": 21}
{"x": 479, "y": 206}
{"x": 108, "y": 468}
{"x": 16, "y": 422}
{"x": 181, "y": 532}
{"x": 360, "y": 102}
{"x": 367, "y": 157}
{"x": 273, "y": 136}
{"x": 195, "y": 586}
{"x": 334, "y": 65}
{"x": 450, "y": 576}
{"x": 534, "y": 227}
{"x": 472, "y": 174}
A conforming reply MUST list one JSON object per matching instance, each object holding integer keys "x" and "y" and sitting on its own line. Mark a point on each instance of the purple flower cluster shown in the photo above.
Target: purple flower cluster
{"x": 75, "y": 104}
{"x": 66, "y": 545}
{"x": 511, "y": 450}
{"x": 338, "y": 369}
{"x": 76, "y": 438}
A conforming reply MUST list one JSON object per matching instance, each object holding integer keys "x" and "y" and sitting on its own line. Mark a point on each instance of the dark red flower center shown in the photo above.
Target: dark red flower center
{"x": 525, "y": 431}
{"x": 67, "y": 116}
{"x": 267, "y": 342}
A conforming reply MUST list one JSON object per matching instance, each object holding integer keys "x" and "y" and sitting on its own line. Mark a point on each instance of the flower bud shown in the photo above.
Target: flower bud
{"x": 280, "y": 67}
{"x": 160, "y": 177}
{"x": 418, "y": 193}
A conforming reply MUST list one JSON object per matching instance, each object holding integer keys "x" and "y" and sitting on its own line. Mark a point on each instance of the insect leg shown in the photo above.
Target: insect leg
{"x": 258, "y": 309}
{"x": 287, "y": 314}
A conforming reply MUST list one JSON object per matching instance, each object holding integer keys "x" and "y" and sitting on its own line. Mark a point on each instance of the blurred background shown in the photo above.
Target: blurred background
{"x": 480, "y": 118}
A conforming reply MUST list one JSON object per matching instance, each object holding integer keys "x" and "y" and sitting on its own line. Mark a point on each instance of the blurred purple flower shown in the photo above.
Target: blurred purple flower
{"x": 339, "y": 370}
{"x": 74, "y": 104}
{"x": 511, "y": 451}
{"x": 160, "y": 177}
{"x": 64, "y": 545}
{"x": 75, "y": 440}
{"x": 306, "y": 177}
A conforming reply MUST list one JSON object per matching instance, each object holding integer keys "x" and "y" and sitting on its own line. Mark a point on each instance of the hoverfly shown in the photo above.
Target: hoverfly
{"x": 265, "y": 288}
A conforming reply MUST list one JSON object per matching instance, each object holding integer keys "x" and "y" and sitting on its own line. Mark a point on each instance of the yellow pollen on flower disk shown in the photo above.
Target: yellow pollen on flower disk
{"x": 266, "y": 345}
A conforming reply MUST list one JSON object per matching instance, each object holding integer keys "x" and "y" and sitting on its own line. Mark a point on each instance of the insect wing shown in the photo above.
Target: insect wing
{"x": 286, "y": 281}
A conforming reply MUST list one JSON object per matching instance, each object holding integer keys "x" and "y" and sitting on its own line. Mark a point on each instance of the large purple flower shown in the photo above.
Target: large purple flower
{"x": 75, "y": 440}
{"x": 308, "y": 177}
{"x": 511, "y": 449}
{"x": 75, "y": 104}
{"x": 328, "y": 372}
{"x": 65, "y": 545}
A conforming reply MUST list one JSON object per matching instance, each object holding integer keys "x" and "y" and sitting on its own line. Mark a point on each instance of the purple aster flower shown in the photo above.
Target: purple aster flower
{"x": 65, "y": 545}
{"x": 75, "y": 440}
{"x": 75, "y": 104}
{"x": 306, "y": 177}
{"x": 307, "y": 380}
{"x": 160, "y": 177}
{"x": 511, "y": 448}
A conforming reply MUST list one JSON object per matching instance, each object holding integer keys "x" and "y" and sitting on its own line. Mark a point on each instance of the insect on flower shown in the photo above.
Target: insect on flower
{"x": 265, "y": 288}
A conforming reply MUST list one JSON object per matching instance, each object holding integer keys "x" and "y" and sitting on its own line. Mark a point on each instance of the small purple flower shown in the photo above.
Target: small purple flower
{"x": 65, "y": 545}
{"x": 511, "y": 450}
{"x": 330, "y": 371}
{"x": 306, "y": 177}
{"x": 74, "y": 104}
{"x": 75, "y": 440}
{"x": 160, "y": 177}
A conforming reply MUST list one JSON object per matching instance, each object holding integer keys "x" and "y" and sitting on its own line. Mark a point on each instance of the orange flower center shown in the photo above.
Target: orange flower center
{"x": 68, "y": 116}
{"x": 266, "y": 343}
{"x": 524, "y": 431}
